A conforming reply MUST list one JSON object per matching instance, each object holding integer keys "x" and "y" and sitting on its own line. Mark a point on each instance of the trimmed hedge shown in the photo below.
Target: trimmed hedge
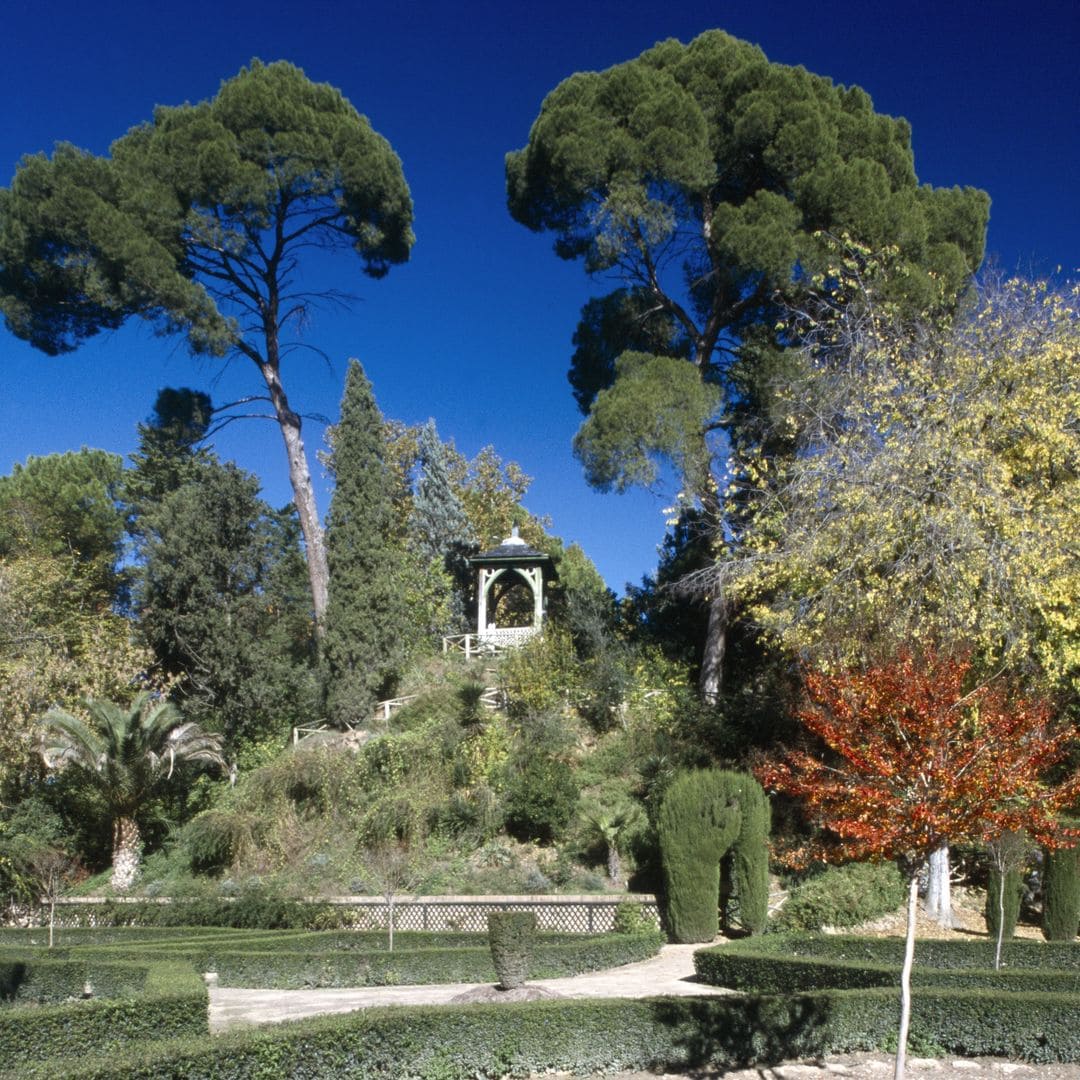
{"x": 1061, "y": 892}
{"x": 287, "y": 969}
{"x": 704, "y": 815}
{"x": 38, "y": 977}
{"x": 452, "y": 1043}
{"x": 785, "y": 963}
{"x": 512, "y": 937}
{"x": 290, "y": 960}
{"x": 173, "y": 1004}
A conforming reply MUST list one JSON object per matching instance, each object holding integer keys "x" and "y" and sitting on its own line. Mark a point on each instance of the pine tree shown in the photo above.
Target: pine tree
{"x": 366, "y": 625}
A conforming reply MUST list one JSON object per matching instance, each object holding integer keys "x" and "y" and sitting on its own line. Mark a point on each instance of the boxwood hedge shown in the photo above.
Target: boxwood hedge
{"x": 172, "y": 1002}
{"x": 786, "y": 963}
{"x": 451, "y": 1042}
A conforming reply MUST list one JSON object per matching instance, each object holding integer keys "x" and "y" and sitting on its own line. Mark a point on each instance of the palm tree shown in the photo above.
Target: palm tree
{"x": 126, "y": 752}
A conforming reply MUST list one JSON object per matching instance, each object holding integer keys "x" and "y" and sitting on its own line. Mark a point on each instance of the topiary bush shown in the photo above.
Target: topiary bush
{"x": 842, "y": 896}
{"x": 705, "y": 814}
{"x": 1061, "y": 891}
{"x": 1012, "y": 895}
{"x": 511, "y": 935}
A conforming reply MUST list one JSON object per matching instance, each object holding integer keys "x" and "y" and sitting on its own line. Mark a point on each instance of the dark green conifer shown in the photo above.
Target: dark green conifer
{"x": 1061, "y": 892}
{"x": 366, "y": 638}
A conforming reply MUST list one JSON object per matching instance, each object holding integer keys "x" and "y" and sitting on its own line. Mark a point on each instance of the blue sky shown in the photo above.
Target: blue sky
{"x": 475, "y": 330}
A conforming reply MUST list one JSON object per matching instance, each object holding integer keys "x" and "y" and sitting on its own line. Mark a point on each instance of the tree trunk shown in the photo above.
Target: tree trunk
{"x": 1001, "y": 919}
{"x": 126, "y": 853}
{"x": 905, "y": 977}
{"x": 711, "y": 680}
{"x": 303, "y": 491}
{"x": 390, "y": 921}
{"x": 614, "y": 864}
{"x": 939, "y": 887}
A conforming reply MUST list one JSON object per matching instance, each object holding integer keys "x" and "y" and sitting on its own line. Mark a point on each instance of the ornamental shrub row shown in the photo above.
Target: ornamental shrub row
{"x": 289, "y": 967}
{"x": 452, "y": 1043}
{"x": 173, "y": 1004}
{"x": 793, "y": 962}
{"x": 38, "y": 977}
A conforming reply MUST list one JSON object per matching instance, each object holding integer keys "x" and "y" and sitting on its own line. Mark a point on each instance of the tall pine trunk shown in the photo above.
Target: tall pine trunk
{"x": 299, "y": 478}
{"x": 711, "y": 680}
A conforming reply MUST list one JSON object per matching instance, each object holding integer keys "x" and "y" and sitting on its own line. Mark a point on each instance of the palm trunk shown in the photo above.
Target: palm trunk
{"x": 127, "y": 851}
{"x": 614, "y": 864}
{"x": 905, "y": 977}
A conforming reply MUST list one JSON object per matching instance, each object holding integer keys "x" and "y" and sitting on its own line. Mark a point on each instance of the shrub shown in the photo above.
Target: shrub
{"x": 1061, "y": 892}
{"x": 540, "y": 798}
{"x": 511, "y": 935}
{"x": 631, "y": 919}
{"x": 1012, "y": 895}
{"x": 843, "y": 896}
{"x": 674, "y": 1034}
{"x": 704, "y": 815}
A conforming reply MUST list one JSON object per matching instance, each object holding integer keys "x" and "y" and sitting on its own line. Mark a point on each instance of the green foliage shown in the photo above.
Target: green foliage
{"x": 511, "y": 937}
{"x": 1061, "y": 893}
{"x": 65, "y": 505}
{"x": 587, "y": 1037}
{"x": 841, "y": 896}
{"x": 126, "y": 754}
{"x": 225, "y": 603}
{"x": 366, "y": 641}
{"x": 195, "y": 222}
{"x": 1012, "y": 895}
{"x": 780, "y": 963}
{"x": 164, "y": 1000}
{"x": 541, "y": 794}
{"x": 704, "y": 814}
{"x": 747, "y": 163}
{"x": 630, "y": 919}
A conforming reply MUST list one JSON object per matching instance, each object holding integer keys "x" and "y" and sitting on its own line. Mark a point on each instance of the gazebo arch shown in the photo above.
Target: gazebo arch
{"x": 512, "y": 559}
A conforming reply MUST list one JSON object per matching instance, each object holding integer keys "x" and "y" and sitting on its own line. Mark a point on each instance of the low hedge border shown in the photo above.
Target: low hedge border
{"x": 285, "y": 969}
{"x": 173, "y": 1005}
{"x": 455, "y": 1043}
{"x": 783, "y": 964}
{"x": 44, "y": 979}
{"x": 286, "y": 961}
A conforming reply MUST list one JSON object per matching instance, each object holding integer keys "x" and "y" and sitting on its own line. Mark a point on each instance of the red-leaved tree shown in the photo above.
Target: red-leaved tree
{"x": 915, "y": 757}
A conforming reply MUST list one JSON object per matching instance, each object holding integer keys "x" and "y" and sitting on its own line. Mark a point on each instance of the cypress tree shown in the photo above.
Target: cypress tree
{"x": 1061, "y": 892}
{"x": 366, "y": 639}
{"x": 1013, "y": 893}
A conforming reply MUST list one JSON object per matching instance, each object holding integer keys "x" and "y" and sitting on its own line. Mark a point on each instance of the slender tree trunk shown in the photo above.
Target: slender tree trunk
{"x": 1001, "y": 919}
{"x": 711, "y": 680}
{"x": 905, "y": 977}
{"x": 126, "y": 853}
{"x": 390, "y": 920}
{"x": 303, "y": 491}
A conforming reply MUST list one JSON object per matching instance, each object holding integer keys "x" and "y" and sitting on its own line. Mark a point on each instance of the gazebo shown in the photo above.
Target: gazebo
{"x": 504, "y": 568}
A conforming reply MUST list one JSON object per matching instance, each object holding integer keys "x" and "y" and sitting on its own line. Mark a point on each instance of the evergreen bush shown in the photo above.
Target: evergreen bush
{"x": 1012, "y": 895}
{"x": 704, "y": 814}
{"x": 1061, "y": 892}
{"x": 511, "y": 935}
{"x": 843, "y": 896}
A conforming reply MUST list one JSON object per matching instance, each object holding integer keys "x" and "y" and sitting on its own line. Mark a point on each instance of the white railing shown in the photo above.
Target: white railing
{"x": 490, "y": 642}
